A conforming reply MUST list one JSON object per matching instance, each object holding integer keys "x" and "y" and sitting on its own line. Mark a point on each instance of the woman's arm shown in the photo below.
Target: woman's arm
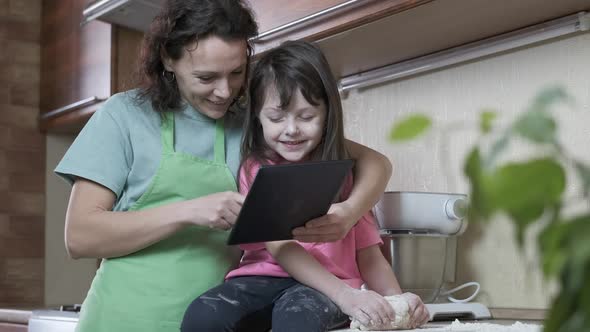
{"x": 379, "y": 277}
{"x": 94, "y": 231}
{"x": 303, "y": 267}
{"x": 372, "y": 173}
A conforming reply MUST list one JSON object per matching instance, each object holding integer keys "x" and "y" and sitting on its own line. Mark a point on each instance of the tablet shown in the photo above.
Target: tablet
{"x": 283, "y": 197}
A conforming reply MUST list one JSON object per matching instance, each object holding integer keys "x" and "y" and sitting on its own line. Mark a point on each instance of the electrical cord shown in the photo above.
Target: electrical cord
{"x": 467, "y": 284}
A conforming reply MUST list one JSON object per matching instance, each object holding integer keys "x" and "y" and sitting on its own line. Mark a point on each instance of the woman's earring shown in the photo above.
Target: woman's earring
{"x": 168, "y": 76}
{"x": 242, "y": 100}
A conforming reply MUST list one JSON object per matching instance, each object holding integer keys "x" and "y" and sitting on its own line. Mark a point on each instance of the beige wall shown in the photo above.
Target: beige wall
{"x": 66, "y": 280}
{"x": 507, "y": 82}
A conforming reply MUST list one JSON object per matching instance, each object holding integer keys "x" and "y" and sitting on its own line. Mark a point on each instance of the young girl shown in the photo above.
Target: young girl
{"x": 296, "y": 116}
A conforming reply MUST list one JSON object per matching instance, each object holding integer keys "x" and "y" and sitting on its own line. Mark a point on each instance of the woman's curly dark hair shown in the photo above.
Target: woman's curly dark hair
{"x": 179, "y": 24}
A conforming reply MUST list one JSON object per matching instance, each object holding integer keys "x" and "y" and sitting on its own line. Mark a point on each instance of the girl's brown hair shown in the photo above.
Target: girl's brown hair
{"x": 294, "y": 65}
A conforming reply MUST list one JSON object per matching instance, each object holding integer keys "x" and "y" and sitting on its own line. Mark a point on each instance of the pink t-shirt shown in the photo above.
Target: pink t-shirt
{"x": 337, "y": 257}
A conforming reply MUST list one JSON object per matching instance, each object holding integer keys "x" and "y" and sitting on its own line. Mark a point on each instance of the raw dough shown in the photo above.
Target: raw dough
{"x": 401, "y": 321}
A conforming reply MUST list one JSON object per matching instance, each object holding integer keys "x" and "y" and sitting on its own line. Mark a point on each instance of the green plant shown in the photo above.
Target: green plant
{"x": 531, "y": 191}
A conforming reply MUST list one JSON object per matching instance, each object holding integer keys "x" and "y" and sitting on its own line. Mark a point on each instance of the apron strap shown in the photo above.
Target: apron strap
{"x": 167, "y": 132}
{"x": 219, "y": 142}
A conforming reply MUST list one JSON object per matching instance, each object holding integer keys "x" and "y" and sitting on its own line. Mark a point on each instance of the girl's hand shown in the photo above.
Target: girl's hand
{"x": 367, "y": 307}
{"x": 331, "y": 227}
{"x": 219, "y": 210}
{"x": 418, "y": 312}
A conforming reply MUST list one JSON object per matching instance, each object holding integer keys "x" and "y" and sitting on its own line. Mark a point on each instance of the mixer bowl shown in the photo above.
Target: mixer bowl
{"x": 418, "y": 262}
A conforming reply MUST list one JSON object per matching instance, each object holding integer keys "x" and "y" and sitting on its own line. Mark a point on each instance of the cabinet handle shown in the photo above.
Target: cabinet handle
{"x": 72, "y": 107}
{"x": 305, "y": 19}
{"x": 99, "y": 8}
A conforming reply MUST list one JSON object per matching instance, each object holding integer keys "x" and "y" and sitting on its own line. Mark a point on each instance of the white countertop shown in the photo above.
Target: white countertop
{"x": 15, "y": 316}
{"x": 469, "y": 325}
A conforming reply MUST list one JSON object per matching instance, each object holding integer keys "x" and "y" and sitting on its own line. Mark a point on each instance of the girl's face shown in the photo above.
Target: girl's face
{"x": 295, "y": 131}
{"x": 210, "y": 74}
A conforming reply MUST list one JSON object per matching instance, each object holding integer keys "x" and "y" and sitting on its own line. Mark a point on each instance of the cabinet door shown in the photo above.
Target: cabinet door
{"x": 328, "y": 17}
{"x": 75, "y": 64}
{"x": 9, "y": 327}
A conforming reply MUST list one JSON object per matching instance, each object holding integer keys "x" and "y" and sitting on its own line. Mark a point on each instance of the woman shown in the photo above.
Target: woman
{"x": 154, "y": 171}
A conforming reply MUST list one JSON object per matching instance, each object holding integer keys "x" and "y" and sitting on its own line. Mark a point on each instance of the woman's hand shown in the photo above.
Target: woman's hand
{"x": 368, "y": 307}
{"x": 419, "y": 314}
{"x": 331, "y": 227}
{"x": 219, "y": 210}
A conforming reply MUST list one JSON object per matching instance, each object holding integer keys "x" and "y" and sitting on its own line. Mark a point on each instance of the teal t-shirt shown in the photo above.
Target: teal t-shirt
{"x": 120, "y": 146}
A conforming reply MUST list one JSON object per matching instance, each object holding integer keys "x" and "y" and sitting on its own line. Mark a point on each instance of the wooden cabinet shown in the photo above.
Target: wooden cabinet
{"x": 81, "y": 65}
{"x": 10, "y": 327}
{"x": 312, "y": 20}
{"x": 368, "y": 34}
{"x": 355, "y": 35}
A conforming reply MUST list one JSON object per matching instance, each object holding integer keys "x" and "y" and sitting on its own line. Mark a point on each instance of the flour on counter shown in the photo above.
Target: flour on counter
{"x": 487, "y": 327}
{"x": 457, "y": 326}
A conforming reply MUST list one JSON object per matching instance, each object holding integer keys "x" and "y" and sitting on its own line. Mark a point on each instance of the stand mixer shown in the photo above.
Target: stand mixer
{"x": 419, "y": 232}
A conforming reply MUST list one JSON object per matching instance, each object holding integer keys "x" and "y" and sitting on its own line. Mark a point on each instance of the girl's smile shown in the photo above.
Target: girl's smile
{"x": 294, "y": 131}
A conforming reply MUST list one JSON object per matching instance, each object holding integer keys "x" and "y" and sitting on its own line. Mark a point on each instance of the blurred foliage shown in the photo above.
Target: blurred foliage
{"x": 411, "y": 127}
{"x": 531, "y": 191}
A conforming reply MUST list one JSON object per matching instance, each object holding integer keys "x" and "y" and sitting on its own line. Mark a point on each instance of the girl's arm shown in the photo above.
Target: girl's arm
{"x": 94, "y": 231}
{"x": 376, "y": 272}
{"x": 303, "y": 267}
{"x": 379, "y": 277}
{"x": 372, "y": 173}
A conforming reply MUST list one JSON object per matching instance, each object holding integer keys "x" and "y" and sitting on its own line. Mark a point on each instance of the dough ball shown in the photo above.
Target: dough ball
{"x": 401, "y": 321}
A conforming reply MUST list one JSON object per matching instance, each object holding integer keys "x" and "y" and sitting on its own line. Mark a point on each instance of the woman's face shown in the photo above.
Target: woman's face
{"x": 295, "y": 131}
{"x": 210, "y": 73}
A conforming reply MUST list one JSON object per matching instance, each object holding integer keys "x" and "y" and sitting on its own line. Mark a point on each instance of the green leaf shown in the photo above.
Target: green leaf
{"x": 580, "y": 239}
{"x": 524, "y": 189}
{"x": 536, "y": 126}
{"x": 485, "y": 122}
{"x": 549, "y": 96}
{"x": 497, "y": 148}
{"x": 567, "y": 243}
{"x": 561, "y": 309}
{"x": 552, "y": 241}
{"x": 584, "y": 174}
{"x": 585, "y": 299}
{"x": 410, "y": 127}
{"x": 481, "y": 207}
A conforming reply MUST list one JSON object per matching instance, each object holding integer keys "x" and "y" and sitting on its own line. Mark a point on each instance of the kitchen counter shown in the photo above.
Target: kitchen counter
{"x": 441, "y": 326}
{"x": 15, "y": 316}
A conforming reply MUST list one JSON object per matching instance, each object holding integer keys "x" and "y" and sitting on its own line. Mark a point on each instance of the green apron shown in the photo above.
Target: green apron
{"x": 150, "y": 290}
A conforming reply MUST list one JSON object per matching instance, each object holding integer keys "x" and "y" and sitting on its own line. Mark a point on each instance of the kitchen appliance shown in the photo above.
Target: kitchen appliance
{"x": 63, "y": 319}
{"x": 419, "y": 231}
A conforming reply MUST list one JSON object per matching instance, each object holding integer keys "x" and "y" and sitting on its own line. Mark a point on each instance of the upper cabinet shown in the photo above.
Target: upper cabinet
{"x": 435, "y": 26}
{"x": 356, "y": 35}
{"x": 313, "y": 20}
{"x": 360, "y": 35}
{"x": 75, "y": 64}
{"x": 81, "y": 65}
